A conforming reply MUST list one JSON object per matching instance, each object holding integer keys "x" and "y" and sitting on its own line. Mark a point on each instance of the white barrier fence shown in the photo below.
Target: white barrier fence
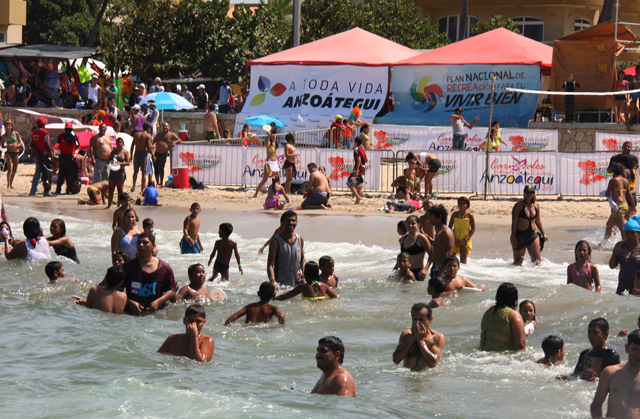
{"x": 608, "y": 141}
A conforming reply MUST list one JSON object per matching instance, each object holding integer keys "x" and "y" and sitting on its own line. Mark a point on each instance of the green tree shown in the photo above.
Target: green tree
{"x": 494, "y": 23}
{"x": 61, "y": 22}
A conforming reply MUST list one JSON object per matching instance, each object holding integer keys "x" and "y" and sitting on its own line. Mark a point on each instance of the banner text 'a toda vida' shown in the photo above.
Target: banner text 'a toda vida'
{"x": 330, "y": 101}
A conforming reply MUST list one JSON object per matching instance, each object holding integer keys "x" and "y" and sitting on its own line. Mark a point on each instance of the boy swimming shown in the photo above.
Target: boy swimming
{"x": 262, "y": 311}
{"x": 54, "y": 271}
{"x": 107, "y": 298}
{"x": 192, "y": 344}
{"x": 223, "y": 248}
{"x": 327, "y": 266}
{"x": 453, "y": 282}
{"x": 553, "y": 347}
{"x": 403, "y": 273}
{"x": 435, "y": 289}
{"x": 196, "y": 290}
{"x": 190, "y": 242}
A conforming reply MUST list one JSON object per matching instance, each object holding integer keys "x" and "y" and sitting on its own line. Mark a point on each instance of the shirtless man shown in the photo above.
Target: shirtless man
{"x": 622, "y": 383}
{"x": 442, "y": 242}
{"x": 99, "y": 152}
{"x": 426, "y": 227}
{"x": 318, "y": 192}
{"x": 9, "y": 95}
{"x": 141, "y": 147}
{"x": 164, "y": 141}
{"x": 420, "y": 347}
{"x": 108, "y": 299}
{"x": 335, "y": 379}
{"x": 453, "y": 282}
{"x": 118, "y": 215}
{"x": 211, "y": 131}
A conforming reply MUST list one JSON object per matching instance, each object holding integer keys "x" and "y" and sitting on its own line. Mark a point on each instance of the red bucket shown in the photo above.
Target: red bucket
{"x": 181, "y": 178}
{"x": 183, "y": 135}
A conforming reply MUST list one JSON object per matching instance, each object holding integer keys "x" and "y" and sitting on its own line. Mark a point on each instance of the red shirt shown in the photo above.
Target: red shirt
{"x": 359, "y": 151}
{"x": 336, "y": 134}
{"x": 107, "y": 121}
{"x": 66, "y": 148}
{"x": 40, "y": 139}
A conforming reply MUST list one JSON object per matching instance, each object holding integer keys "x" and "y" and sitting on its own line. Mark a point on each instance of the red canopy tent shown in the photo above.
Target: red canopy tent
{"x": 499, "y": 46}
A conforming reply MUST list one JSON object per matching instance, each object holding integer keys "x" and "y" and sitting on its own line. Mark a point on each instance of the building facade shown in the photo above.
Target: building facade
{"x": 13, "y": 16}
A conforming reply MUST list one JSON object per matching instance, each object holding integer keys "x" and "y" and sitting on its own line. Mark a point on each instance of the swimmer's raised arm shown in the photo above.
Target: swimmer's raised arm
{"x": 236, "y": 316}
{"x": 277, "y": 231}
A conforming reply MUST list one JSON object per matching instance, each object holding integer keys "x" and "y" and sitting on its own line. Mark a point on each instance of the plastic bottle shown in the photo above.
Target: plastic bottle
{"x": 216, "y": 108}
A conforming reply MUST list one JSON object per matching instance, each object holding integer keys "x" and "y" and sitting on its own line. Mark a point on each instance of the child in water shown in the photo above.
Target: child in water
{"x": 107, "y": 298}
{"x": 62, "y": 245}
{"x": 224, "y": 247}
{"x": 192, "y": 344}
{"x": 435, "y": 290}
{"x": 196, "y": 290}
{"x": 463, "y": 225}
{"x": 403, "y": 272}
{"x": 120, "y": 258}
{"x": 54, "y": 271}
{"x": 262, "y": 311}
{"x": 619, "y": 196}
{"x": 313, "y": 290}
{"x": 583, "y": 273}
{"x": 327, "y": 268}
{"x": 273, "y": 195}
{"x": 190, "y": 242}
{"x": 402, "y": 228}
{"x": 553, "y": 347}
{"x": 528, "y": 312}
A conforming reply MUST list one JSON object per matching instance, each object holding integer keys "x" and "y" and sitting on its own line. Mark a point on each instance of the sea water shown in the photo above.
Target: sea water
{"x": 59, "y": 360}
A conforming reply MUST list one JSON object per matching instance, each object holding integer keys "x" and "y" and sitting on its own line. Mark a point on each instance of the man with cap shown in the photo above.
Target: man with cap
{"x": 112, "y": 91}
{"x": 99, "y": 152}
{"x": 458, "y": 123}
{"x": 23, "y": 92}
{"x": 40, "y": 148}
{"x": 100, "y": 118}
{"x": 223, "y": 97}
{"x": 67, "y": 162}
{"x": 136, "y": 121}
{"x": 626, "y": 253}
{"x": 152, "y": 117}
{"x": 157, "y": 83}
{"x": 133, "y": 97}
{"x": 335, "y": 132}
{"x": 203, "y": 98}
{"x": 94, "y": 92}
{"x": 211, "y": 131}
{"x": 187, "y": 94}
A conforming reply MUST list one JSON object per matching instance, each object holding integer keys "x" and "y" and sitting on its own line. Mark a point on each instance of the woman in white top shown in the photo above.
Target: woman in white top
{"x": 35, "y": 247}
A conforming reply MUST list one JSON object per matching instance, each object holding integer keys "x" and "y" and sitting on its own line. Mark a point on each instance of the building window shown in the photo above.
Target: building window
{"x": 450, "y": 26}
{"x": 531, "y": 27}
{"x": 581, "y": 24}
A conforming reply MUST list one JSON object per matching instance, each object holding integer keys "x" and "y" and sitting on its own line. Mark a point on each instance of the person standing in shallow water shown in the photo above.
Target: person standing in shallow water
{"x": 524, "y": 236}
{"x": 286, "y": 253}
{"x": 626, "y": 253}
{"x": 420, "y": 347}
{"x": 502, "y": 326}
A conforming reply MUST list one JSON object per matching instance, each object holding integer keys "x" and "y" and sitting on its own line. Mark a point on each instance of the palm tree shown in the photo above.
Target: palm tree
{"x": 464, "y": 17}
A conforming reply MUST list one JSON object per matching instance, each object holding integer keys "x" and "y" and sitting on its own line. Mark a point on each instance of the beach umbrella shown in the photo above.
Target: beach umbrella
{"x": 262, "y": 120}
{"x": 167, "y": 100}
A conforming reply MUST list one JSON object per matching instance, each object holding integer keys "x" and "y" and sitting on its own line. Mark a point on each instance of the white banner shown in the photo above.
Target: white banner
{"x": 584, "y": 173}
{"x": 407, "y": 137}
{"x": 509, "y": 173}
{"x": 457, "y": 171}
{"x": 225, "y": 165}
{"x": 309, "y": 97}
{"x": 609, "y": 141}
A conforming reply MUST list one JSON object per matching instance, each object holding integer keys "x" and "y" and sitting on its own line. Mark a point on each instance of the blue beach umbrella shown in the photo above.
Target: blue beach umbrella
{"x": 261, "y": 120}
{"x": 167, "y": 100}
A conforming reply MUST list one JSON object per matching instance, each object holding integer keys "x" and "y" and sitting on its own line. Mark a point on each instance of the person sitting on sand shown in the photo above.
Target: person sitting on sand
{"x": 400, "y": 184}
{"x": 420, "y": 347}
{"x": 318, "y": 191}
{"x": 583, "y": 273}
{"x": 403, "y": 273}
{"x": 524, "y": 236}
{"x": 443, "y": 240}
{"x": 409, "y": 205}
{"x": 313, "y": 290}
{"x": 192, "y": 344}
{"x": 150, "y": 195}
{"x": 327, "y": 268}
{"x": 553, "y": 348}
{"x": 435, "y": 289}
{"x": 107, "y": 298}
{"x": 335, "y": 379}
{"x": 223, "y": 248}
{"x": 98, "y": 193}
{"x": 190, "y": 242}
{"x": 196, "y": 290}
{"x": 273, "y": 195}
{"x": 621, "y": 201}
{"x": 453, "y": 282}
{"x": 262, "y": 311}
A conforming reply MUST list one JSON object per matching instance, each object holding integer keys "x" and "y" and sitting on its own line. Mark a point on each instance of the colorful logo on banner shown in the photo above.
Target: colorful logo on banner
{"x": 264, "y": 85}
{"x": 446, "y": 167}
{"x": 341, "y": 169}
{"x": 593, "y": 173}
{"x": 611, "y": 144}
{"x": 426, "y": 96}
{"x": 199, "y": 163}
{"x": 520, "y": 172}
{"x": 520, "y": 144}
{"x": 385, "y": 141}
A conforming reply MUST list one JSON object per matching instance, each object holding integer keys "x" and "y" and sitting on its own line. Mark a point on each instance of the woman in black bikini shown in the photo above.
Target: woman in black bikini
{"x": 416, "y": 245}
{"x": 524, "y": 237}
{"x": 60, "y": 242}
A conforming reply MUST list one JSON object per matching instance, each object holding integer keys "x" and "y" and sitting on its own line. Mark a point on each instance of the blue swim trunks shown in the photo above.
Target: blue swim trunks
{"x": 635, "y": 95}
{"x": 186, "y": 247}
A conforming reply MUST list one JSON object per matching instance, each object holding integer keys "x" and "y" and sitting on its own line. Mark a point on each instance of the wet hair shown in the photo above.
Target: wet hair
{"x": 192, "y": 268}
{"x": 601, "y": 323}
{"x": 194, "y": 206}
{"x": 439, "y": 211}
{"x": 437, "y": 284}
{"x": 226, "y": 229}
{"x": 195, "y": 310}
{"x": 63, "y": 226}
{"x": 358, "y": 141}
{"x": 402, "y": 226}
{"x": 266, "y": 291}
{"x": 147, "y": 222}
{"x": 146, "y": 126}
{"x": 451, "y": 258}
{"x": 634, "y": 337}
{"x": 335, "y": 344}
{"x": 51, "y": 269}
{"x": 150, "y": 236}
{"x": 617, "y": 170}
{"x": 506, "y": 296}
{"x": 5, "y": 224}
{"x": 324, "y": 260}
{"x": 403, "y": 255}
{"x": 420, "y": 306}
{"x": 31, "y": 228}
{"x": 311, "y": 272}
{"x": 410, "y": 156}
{"x": 465, "y": 200}
{"x": 123, "y": 255}
{"x": 115, "y": 276}
{"x": 523, "y": 302}
{"x": 287, "y": 214}
{"x": 289, "y": 138}
{"x": 551, "y": 345}
{"x": 580, "y": 243}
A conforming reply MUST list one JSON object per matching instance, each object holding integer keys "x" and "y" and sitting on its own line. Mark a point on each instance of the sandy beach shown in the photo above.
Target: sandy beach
{"x": 568, "y": 211}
